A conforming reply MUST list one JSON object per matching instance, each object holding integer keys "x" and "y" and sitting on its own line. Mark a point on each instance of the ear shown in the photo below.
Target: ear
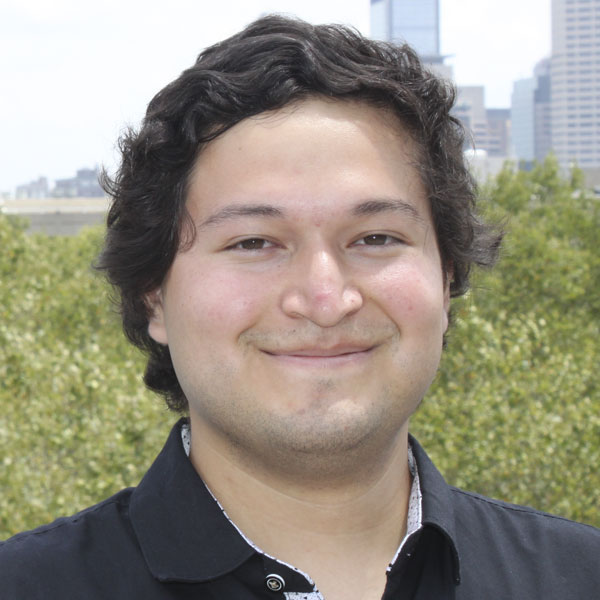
{"x": 157, "y": 329}
{"x": 446, "y": 318}
{"x": 447, "y": 280}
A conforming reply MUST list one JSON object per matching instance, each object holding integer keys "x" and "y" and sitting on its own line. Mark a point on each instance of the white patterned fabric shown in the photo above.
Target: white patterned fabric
{"x": 186, "y": 438}
{"x": 414, "y": 517}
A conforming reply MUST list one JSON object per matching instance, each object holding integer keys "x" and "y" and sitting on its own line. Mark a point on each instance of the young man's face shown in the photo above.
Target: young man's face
{"x": 309, "y": 312}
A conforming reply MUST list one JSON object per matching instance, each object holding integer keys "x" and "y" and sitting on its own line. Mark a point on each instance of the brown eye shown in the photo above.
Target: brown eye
{"x": 376, "y": 239}
{"x": 252, "y": 244}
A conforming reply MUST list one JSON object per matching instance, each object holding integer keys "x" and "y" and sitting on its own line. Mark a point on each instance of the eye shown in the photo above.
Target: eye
{"x": 251, "y": 244}
{"x": 377, "y": 239}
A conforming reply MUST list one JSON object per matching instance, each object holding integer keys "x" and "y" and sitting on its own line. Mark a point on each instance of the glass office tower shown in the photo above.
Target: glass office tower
{"x": 416, "y": 22}
{"x": 575, "y": 82}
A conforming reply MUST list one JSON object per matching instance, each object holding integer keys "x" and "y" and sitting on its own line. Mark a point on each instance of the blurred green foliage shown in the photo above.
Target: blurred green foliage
{"x": 513, "y": 414}
{"x": 76, "y": 423}
{"x": 515, "y": 410}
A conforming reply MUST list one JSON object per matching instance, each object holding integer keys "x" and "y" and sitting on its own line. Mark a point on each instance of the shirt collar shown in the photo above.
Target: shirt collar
{"x": 184, "y": 535}
{"x": 180, "y": 528}
{"x": 437, "y": 502}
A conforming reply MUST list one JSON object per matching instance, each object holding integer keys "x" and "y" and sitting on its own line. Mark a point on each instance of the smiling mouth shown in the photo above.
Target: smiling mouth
{"x": 325, "y": 357}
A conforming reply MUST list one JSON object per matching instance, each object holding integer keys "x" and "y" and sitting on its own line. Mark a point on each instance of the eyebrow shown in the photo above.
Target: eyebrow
{"x": 248, "y": 210}
{"x": 366, "y": 208}
{"x": 374, "y": 207}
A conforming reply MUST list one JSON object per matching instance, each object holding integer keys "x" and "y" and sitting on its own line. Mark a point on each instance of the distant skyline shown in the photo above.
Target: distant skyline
{"x": 74, "y": 73}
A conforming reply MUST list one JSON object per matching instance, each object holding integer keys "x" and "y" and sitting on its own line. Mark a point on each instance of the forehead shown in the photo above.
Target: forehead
{"x": 317, "y": 152}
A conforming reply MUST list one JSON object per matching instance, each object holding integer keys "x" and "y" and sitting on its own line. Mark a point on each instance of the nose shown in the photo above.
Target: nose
{"x": 318, "y": 290}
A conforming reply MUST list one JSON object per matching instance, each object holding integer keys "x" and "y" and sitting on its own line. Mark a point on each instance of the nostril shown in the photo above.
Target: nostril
{"x": 324, "y": 308}
{"x": 318, "y": 289}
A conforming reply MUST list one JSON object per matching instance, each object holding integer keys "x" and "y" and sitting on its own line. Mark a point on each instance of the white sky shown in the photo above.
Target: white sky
{"x": 73, "y": 73}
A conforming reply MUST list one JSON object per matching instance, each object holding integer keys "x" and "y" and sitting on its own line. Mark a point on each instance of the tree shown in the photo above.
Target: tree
{"x": 514, "y": 412}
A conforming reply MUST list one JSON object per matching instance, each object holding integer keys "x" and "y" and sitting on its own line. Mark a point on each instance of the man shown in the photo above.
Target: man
{"x": 287, "y": 230}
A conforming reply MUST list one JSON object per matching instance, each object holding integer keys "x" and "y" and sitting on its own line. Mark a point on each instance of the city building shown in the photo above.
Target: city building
{"x": 575, "y": 82}
{"x": 83, "y": 185}
{"x": 522, "y": 119}
{"x": 498, "y": 132}
{"x": 34, "y": 189}
{"x": 72, "y": 204}
{"x": 487, "y": 147}
{"x": 542, "y": 115}
{"x": 531, "y": 116}
{"x": 470, "y": 109}
{"x": 416, "y": 22}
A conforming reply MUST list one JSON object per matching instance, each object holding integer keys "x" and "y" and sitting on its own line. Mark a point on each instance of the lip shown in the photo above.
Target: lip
{"x": 322, "y": 357}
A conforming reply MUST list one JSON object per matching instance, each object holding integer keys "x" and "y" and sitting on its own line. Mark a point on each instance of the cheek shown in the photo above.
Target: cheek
{"x": 409, "y": 293}
{"x": 212, "y": 301}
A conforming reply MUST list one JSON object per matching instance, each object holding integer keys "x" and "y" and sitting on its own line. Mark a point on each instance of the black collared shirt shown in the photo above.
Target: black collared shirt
{"x": 169, "y": 539}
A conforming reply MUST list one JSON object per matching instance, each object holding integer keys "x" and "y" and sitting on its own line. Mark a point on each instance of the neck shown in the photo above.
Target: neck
{"x": 349, "y": 521}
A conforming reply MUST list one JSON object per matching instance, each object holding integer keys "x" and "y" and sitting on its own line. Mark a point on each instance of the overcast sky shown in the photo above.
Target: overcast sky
{"x": 73, "y": 73}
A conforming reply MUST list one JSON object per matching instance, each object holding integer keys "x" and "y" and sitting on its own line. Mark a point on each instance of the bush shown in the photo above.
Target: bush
{"x": 514, "y": 412}
{"x": 76, "y": 422}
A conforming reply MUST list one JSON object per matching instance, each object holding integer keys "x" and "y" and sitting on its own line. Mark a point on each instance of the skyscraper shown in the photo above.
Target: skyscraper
{"x": 522, "y": 113}
{"x": 416, "y": 22}
{"x": 575, "y": 82}
{"x": 542, "y": 115}
{"x": 530, "y": 115}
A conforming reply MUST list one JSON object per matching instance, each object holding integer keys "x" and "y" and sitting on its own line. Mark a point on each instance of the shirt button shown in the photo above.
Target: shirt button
{"x": 275, "y": 583}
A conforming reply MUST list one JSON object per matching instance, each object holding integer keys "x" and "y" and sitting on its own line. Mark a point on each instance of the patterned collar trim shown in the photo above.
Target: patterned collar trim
{"x": 414, "y": 520}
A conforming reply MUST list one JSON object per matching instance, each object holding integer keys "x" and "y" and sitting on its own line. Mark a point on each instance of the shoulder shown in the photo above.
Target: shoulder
{"x": 537, "y": 550}
{"x": 62, "y": 551}
{"x": 515, "y": 517}
{"x": 65, "y": 529}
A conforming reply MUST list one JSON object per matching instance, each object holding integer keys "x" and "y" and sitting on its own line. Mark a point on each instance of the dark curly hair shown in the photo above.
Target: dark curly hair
{"x": 271, "y": 63}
